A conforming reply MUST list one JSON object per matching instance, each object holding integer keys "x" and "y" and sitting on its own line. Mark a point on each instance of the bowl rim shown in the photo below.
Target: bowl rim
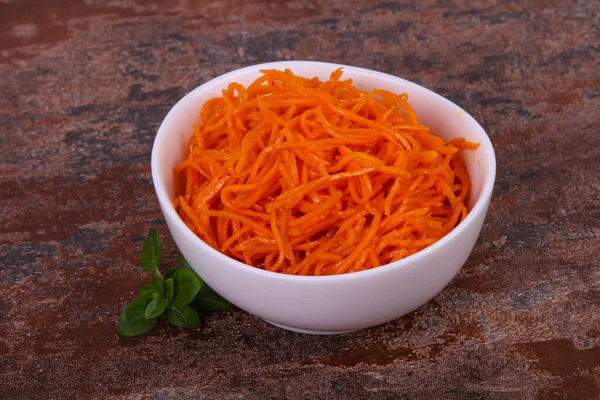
{"x": 167, "y": 207}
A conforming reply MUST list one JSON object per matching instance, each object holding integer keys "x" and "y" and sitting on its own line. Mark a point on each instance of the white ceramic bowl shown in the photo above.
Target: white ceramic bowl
{"x": 329, "y": 304}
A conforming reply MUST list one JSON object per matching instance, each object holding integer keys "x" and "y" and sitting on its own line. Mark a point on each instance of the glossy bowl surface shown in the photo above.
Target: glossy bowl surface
{"x": 329, "y": 304}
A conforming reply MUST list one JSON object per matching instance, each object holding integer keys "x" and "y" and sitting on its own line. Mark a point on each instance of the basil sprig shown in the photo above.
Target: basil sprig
{"x": 175, "y": 296}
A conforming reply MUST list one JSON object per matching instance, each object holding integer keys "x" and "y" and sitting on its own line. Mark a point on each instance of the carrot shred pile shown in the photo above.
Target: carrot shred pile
{"x": 305, "y": 177}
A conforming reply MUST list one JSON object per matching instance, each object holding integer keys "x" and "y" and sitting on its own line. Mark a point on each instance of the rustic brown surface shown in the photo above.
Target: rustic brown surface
{"x": 83, "y": 88}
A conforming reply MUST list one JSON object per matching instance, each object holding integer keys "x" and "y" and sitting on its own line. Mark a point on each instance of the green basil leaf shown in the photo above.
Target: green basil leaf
{"x": 157, "y": 285}
{"x": 145, "y": 293}
{"x": 187, "y": 285}
{"x": 183, "y": 263}
{"x": 154, "y": 309}
{"x": 168, "y": 284}
{"x": 183, "y": 317}
{"x": 151, "y": 252}
{"x": 132, "y": 320}
{"x": 208, "y": 299}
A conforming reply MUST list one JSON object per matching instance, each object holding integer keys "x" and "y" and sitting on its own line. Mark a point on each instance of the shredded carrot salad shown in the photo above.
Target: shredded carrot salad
{"x": 305, "y": 177}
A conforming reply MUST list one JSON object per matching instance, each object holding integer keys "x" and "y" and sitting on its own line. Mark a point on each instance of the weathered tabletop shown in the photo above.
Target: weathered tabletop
{"x": 84, "y": 86}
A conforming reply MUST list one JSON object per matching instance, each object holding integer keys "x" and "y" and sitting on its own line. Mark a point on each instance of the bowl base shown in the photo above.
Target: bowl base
{"x": 307, "y": 331}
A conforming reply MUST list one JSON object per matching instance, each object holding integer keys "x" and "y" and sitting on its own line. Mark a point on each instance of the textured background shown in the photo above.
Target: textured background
{"x": 84, "y": 86}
